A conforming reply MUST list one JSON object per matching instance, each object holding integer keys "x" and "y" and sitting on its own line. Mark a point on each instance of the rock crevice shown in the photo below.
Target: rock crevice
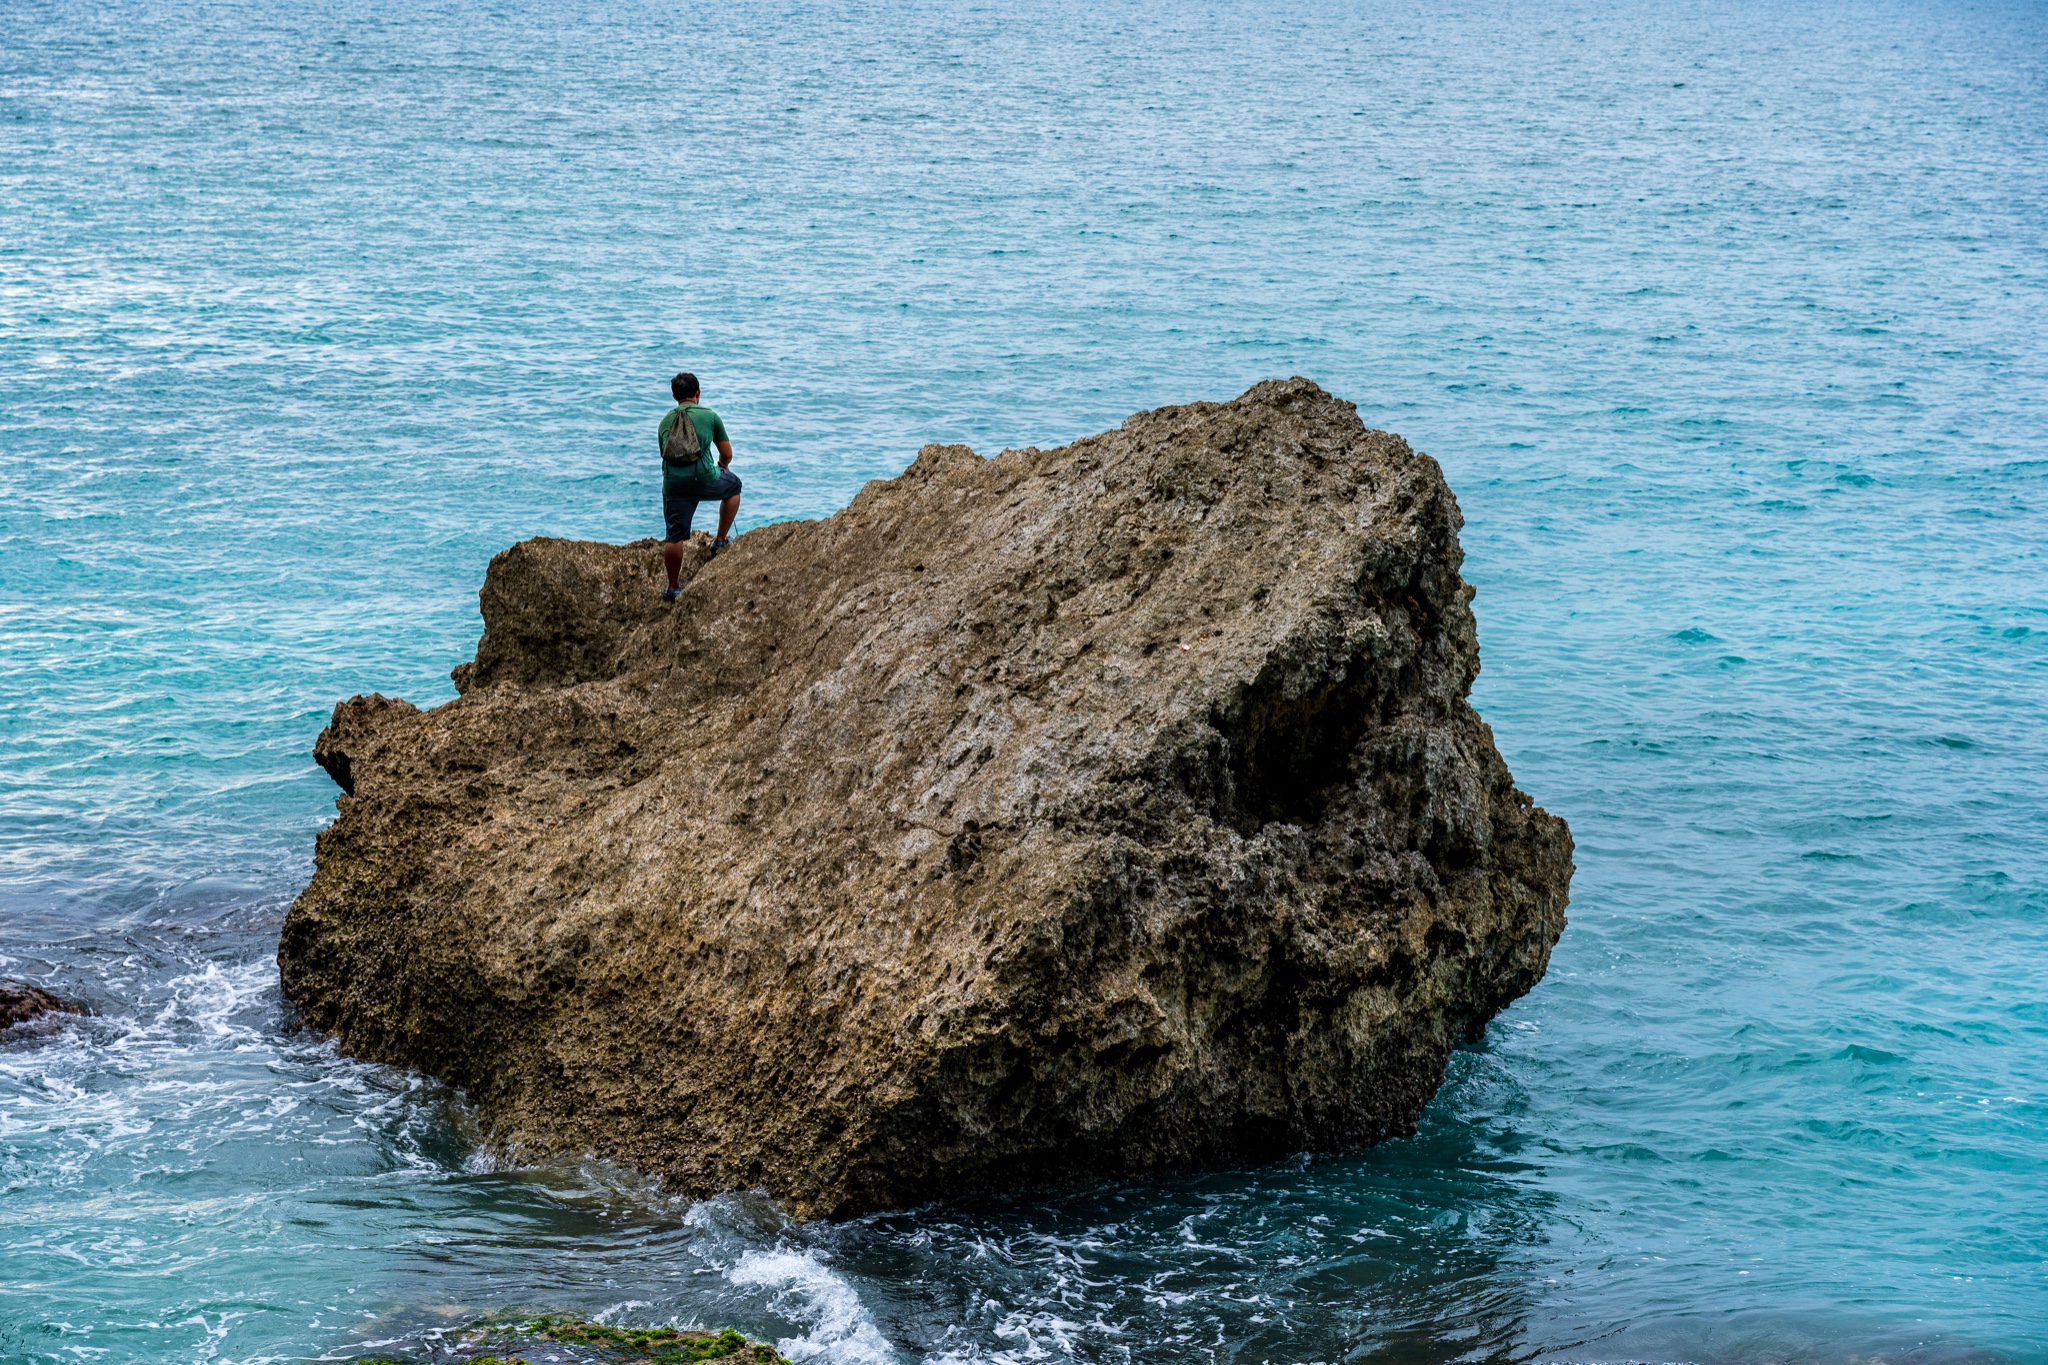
{"x": 1064, "y": 814}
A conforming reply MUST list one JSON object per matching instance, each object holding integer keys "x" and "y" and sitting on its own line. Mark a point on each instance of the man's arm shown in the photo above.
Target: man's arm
{"x": 724, "y": 454}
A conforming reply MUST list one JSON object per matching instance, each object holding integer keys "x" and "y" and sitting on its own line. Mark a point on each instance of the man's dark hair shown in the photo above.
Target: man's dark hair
{"x": 684, "y": 387}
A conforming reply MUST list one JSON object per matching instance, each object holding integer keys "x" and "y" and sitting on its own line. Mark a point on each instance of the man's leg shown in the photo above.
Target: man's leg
{"x": 727, "y": 510}
{"x": 676, "y": 514}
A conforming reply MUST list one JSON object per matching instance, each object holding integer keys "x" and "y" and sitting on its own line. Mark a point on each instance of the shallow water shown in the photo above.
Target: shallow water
{"x": 1723, "y": 318}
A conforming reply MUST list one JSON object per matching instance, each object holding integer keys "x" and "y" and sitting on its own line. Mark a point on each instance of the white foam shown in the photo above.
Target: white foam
{"x": 618, "y": 1310}
{"x": 839, "y": 1328}
{"x": 1034, "y": 1335}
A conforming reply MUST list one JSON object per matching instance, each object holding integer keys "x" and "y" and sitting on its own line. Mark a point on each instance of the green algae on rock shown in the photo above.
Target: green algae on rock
{"x": 1055, "y": 816}
{"x": 605, "y": 1344}
{"x": 662, "y": 1345}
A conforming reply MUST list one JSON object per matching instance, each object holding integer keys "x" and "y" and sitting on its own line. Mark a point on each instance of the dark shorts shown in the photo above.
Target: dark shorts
{"x": 680, "y": 509}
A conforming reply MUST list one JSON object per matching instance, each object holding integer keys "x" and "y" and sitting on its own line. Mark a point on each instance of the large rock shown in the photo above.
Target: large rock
{"x": 1071, "y": 813}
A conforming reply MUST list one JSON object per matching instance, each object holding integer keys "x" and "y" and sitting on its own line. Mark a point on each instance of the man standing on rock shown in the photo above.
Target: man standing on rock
{"x": 689, "y": 434}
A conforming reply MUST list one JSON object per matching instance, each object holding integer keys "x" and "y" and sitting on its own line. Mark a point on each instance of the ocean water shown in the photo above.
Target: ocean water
{"x": 1727, "y": 320}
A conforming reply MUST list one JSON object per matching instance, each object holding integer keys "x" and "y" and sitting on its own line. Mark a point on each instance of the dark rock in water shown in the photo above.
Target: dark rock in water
{"x": 20, "y": 1002}
{"x": 1067, "y": 814}
{"x": 579, "y": 1340}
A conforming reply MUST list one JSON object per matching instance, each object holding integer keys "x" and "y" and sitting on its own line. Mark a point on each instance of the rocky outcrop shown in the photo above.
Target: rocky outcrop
{"x": 354, "y": 722}
{"x": 20, "y": 1003}
{"x": 1065, "y": 814}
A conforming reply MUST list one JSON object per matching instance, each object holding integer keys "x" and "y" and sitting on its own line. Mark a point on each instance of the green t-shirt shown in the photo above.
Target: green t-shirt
{"x": 678, "y": 480}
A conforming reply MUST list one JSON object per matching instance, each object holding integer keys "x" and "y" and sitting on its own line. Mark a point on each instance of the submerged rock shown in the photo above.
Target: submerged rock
{"x": 1066, "y": 814}
{"x": 21, "y": 1002}
{"x": 582, "y": 1340}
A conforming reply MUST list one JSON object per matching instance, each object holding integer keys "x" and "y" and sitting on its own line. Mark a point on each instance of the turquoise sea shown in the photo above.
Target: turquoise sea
{"x": 1728, "y": 321}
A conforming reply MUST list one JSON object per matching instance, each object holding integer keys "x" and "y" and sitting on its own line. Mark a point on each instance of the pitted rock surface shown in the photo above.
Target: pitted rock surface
{"x": 1060, "y": 815}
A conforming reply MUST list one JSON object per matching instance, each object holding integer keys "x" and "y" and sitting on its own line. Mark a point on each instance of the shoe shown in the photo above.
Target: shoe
{"x": 671, "y": 594}
{"x": 718, "y": 545}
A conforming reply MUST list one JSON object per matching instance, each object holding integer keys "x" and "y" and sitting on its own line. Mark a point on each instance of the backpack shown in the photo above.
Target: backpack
{"x": 684, "y": 446}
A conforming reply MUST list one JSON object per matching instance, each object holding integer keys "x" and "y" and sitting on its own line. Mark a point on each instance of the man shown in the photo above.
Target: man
{"x": 689, "y": 477}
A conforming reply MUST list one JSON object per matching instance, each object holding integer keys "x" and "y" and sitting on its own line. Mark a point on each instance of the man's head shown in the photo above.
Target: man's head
{"x": 684, "y": 387}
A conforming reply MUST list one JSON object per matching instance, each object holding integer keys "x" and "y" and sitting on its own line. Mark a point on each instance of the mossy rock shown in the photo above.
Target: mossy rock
{"x": 653, "y": 1345}
{"x": 662, "y": 1345}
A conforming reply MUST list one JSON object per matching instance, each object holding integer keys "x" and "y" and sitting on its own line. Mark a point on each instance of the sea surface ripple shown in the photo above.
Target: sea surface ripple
{"x": 1725, "y": 318}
